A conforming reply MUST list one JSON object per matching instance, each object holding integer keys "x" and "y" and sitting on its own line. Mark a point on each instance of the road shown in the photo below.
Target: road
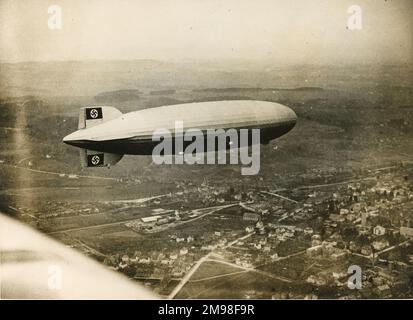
{"x": 376, "y": 254}
{"x": 333, "y": 183}
{"x": 264, "y": 273}
{"x": 188, "y": 276}
{"x": 92, "y": 227}
{"x": 279, "y": 196}
{"x": 219, "y": 276}
{"x": 59, "y": 173}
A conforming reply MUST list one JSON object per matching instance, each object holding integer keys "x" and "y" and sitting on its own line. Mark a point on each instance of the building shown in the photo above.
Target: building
{"x": 379, "y": 230}
{"x": 383, "y": 290}
{"x": 145, "y": 261}
{"x": 250, "y": 216}
{"x": 336, "y": 217}
{"x": 161, "y": 221}
{"x": 363, "y": 219}
{"x": 308, "y": 231}
{"x": 380, "y": 245}
{"x": 366, "y": 250}
{"x": 314, "y": 251}
{"x": 339, "y": 255}
{"x": 406, "y": 231}
{"x": 344, "y": 211}
{"x": 150, "y": 219}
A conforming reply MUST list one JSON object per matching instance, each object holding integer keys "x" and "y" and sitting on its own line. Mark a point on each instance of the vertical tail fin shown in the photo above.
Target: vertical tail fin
{"x": 90, "y": 158}
{"x": 92, "y": 116}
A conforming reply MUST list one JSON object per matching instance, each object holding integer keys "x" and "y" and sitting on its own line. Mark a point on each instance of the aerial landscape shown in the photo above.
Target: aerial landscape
{"x": 334, "y": 192}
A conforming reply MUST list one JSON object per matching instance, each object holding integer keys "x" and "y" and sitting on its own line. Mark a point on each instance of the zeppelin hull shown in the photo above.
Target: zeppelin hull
{"x": 144, "y": 146}
{"x": 132, "y": 133}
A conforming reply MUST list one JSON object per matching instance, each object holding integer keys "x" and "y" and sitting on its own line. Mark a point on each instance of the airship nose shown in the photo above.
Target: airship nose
{"x": 282, "y": 113}
{"x": 289, "y": 118}
{"x": 286, "y": 114}
{"x": 293, "y": 115}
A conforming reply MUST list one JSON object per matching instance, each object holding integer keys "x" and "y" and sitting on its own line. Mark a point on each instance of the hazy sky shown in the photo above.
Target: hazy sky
{"x": 280, "y": 31}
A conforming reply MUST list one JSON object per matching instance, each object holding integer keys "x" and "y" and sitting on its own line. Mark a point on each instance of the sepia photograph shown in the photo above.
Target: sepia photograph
{"x": 206, "y": 150}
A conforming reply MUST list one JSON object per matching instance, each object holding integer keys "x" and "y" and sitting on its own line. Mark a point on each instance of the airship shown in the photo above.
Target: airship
{"x": 105, "y": 134}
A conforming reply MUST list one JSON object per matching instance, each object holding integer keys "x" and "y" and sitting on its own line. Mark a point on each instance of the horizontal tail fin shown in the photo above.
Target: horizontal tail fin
{"x": 90, "y": 158}
{"x": 91, "y": 116}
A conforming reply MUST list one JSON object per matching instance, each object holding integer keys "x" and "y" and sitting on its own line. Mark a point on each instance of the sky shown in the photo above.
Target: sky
{"x": 279, "y": 31}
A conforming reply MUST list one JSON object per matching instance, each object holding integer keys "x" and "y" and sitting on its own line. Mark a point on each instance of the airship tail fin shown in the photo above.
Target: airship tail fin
{"x": 92, "y": 116}
{"x": 90, "y": 158}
